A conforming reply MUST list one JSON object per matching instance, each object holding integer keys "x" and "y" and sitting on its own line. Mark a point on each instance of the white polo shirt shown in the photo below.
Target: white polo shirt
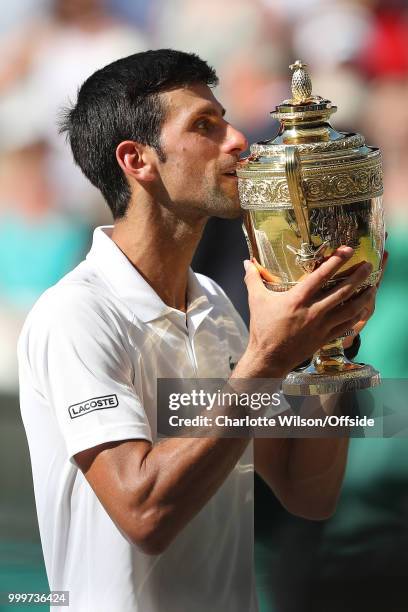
{"x": 102, "y": 332}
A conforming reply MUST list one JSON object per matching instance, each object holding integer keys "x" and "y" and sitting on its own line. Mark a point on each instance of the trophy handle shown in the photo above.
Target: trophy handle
{"x": 308, "y": 256}
{"x": 249, "y": 234}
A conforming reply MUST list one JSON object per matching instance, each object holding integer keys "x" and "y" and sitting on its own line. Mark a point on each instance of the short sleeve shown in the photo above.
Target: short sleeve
{"x": 75, "y": 350}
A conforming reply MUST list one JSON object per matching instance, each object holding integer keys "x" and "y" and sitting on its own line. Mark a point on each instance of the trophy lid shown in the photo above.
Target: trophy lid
{"x": 305, "y": 123}
{"x": 333, "y": 167}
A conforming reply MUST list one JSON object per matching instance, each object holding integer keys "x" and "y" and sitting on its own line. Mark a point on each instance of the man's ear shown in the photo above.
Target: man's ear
{"x": 136, "y": 160}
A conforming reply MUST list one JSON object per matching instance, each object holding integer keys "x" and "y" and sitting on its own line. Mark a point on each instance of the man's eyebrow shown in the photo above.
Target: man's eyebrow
{"x": 209, "y": 110}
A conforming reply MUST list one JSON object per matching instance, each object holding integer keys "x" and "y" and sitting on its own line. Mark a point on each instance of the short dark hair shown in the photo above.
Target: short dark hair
{"x": 121, "y": 102}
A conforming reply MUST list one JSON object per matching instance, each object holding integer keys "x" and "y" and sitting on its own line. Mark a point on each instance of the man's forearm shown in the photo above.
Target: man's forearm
{"x": 316, "y": 466}
{"x": 304, "y": 473}
{"x": 315, "y": 473}
{"x": 180, "y": 476}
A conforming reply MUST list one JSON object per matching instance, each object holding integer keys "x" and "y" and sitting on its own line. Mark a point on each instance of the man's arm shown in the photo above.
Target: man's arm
{"x": 153, "y": 491}
{"x": 305, "y": 474}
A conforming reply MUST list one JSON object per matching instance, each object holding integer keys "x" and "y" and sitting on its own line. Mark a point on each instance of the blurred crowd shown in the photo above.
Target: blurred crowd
{"x": 357, "y": 52}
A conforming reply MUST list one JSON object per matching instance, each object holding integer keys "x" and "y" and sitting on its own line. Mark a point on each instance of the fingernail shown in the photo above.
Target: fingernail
{"x": 345, "y": 250}
{"x": 367, "y": 267}
{"x": 246, "y": 264}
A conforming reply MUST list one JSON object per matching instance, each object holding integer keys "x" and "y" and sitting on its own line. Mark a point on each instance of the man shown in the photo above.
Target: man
{"x": 128, "y": 523}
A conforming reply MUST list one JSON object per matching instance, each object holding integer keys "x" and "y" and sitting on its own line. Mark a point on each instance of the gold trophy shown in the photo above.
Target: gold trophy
{"x": 305, "y": 193}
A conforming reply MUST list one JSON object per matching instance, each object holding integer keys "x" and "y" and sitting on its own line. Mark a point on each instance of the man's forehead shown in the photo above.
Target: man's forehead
{"x": 191, "y": 99}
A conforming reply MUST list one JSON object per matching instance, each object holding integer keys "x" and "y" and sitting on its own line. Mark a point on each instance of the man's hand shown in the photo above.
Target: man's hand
{"x": 368, "y": 312}
{"x": 286, "y": 328}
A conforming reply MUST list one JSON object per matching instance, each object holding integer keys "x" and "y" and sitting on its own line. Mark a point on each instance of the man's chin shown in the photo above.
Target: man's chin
{"x": 230, "y": 213}
{"x": 225, "y": 205}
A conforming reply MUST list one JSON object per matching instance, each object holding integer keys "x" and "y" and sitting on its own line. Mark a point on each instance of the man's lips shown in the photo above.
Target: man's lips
{"x": 231, "y": 176}
{"x": 232, "y": 172}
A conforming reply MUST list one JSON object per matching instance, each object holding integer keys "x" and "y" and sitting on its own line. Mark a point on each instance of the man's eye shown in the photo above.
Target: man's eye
{"x": 203, "y": 125}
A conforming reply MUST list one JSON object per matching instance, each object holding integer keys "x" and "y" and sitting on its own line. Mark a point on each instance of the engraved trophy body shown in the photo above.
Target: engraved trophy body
{"x": 305, "y": 193}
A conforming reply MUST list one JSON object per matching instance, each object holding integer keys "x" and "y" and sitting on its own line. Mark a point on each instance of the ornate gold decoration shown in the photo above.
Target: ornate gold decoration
{"x": 350, "y": 142}
{"x": 362, "y": 181}
{"x": 324, "y": 186}
{"x": 265, "y": 194}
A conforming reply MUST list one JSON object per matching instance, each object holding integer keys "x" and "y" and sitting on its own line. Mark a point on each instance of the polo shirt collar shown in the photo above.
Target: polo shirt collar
{"x": 130, "y": 286}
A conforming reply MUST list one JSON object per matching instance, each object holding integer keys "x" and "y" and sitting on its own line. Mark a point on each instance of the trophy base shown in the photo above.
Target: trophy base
{"x": 309, "y": 381}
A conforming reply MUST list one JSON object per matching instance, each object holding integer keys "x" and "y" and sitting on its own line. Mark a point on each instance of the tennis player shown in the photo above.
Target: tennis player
{"x": 129, "y": 524}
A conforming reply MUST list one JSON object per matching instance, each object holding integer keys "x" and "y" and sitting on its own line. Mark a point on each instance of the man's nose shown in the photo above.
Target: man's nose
{"x": 235, "y": 140}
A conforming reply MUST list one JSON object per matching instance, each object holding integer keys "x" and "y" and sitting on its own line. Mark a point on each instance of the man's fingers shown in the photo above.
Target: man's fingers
{"x": 345, "y": 289}
{"x": 340, "y": 330}
{"x": 252, "y": 278}
{"x": 355, "y": 323}
{"x": 266, "y": 275}
{"x": 383, "y": 266}
{"x": 317, "y": 279}
{"x": 355, "y": 307}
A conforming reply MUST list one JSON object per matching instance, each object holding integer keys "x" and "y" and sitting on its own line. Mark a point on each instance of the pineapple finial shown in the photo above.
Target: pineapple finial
{"x": 301, "y": 83}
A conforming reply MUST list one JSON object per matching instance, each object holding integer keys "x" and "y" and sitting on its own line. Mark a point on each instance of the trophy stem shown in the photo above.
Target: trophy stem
{"x": 330, "y": 372}
{"x": 331, "y": 358}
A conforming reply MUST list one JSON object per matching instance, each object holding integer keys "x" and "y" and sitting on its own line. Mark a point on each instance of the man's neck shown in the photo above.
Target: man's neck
{"x": 161, "y": 248}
